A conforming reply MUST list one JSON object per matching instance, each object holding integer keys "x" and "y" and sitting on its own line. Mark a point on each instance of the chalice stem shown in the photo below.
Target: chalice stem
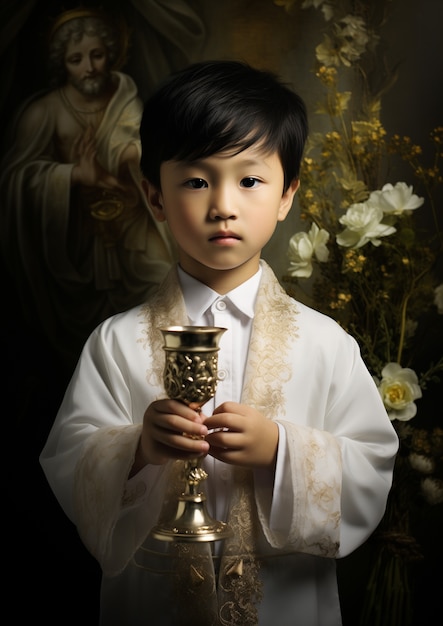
{"x": 194, "y": 474}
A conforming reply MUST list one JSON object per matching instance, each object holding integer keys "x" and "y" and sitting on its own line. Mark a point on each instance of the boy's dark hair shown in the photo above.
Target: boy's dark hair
{"x": 213, "y": 106}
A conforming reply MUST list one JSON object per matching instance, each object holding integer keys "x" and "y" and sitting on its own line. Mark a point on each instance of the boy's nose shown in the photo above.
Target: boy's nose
{"x": 222, "y": 206}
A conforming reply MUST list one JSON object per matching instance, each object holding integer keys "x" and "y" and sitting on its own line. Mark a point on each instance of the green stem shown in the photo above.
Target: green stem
{"x": 403, "y": 311}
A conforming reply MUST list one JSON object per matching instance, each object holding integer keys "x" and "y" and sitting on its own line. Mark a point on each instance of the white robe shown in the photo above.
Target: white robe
{"x": 334, "y": 472}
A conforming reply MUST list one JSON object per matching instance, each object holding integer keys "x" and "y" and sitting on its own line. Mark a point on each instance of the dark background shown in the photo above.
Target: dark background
{"x": 51, "y": 577}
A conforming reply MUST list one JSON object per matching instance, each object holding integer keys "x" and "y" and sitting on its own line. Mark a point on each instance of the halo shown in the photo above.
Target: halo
{"x": 120, "y": 26}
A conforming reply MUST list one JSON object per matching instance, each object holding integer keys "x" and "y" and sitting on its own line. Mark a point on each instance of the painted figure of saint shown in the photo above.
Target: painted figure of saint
{"x": 76, "y": 231}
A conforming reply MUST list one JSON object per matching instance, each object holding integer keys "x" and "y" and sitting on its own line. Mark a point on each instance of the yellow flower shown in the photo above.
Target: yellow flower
{"x": 327, "y": 75}
{"x": 341, "y": 302}
{"x": 363, "y": 130}
{"x": 353, "y": 261}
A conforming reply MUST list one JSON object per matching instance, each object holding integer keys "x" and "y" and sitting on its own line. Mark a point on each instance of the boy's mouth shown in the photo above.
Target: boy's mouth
{"x": 225, "y": 236}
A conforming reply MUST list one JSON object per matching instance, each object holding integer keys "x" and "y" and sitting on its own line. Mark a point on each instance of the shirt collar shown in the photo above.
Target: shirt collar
{"x": 199, "y": 297}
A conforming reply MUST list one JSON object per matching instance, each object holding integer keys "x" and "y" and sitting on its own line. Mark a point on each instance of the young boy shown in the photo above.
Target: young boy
{"x": 297, "y": 445}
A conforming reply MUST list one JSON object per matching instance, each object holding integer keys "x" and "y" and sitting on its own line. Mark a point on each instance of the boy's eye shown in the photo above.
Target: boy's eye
{"x": 196, "y": 183}
{"x": 249, "y": 182}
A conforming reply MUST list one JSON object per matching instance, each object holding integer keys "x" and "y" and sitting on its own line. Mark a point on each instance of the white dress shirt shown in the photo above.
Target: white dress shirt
{"x": 235, "y": 312}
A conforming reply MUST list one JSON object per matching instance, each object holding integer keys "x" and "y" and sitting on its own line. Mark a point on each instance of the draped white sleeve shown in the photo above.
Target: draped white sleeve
{"x": 334, "y": 467}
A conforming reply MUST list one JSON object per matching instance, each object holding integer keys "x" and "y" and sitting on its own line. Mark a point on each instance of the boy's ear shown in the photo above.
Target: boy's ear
{"x": 155, "y": 200}
{"x": 287, "y": 199}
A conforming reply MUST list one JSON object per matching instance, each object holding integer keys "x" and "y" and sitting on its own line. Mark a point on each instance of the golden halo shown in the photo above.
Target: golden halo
{"x": 81, "y": 12}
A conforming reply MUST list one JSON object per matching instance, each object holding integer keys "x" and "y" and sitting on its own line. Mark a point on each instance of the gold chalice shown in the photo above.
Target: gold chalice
{"x": 190, "y": 375}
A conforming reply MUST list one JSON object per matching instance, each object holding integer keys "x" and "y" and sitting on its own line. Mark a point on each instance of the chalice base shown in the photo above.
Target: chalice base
{"x": 192, "y": 522}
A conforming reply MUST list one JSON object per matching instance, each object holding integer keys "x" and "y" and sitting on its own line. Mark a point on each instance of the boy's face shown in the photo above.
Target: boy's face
{"x": 221, "y": 211}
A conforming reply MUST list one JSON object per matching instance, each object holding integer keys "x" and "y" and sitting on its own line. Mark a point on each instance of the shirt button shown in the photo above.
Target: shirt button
{"x": 220, "y": 305}
{"x": 224, "y": 474}
{"x": 222, "y": 374}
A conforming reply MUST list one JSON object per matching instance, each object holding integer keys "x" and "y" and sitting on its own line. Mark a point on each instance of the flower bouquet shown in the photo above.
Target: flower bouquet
{"x": 369, "y": 259}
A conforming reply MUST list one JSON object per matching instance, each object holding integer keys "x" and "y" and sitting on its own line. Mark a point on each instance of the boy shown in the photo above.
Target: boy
{"x": 297, "y": 444}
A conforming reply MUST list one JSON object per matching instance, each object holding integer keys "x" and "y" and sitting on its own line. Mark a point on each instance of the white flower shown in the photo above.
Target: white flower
{"x": 354, "y": 36}
{"x": 438, "y": 298}
{"x": 395, "y": 200}
{"x": 398, "y": 389}
{"x": 421, "y": 463}
{"x": 303, "y": 246}
{"x": 410, "y": 327}
{"x": 432, "y": 489}
{"x": 324, "y": 5}
{"x": 306, "y": 4}
{"x": 327, "y": 52}
{"x": 348, "y": 43}
{"x": 363, "y": 224}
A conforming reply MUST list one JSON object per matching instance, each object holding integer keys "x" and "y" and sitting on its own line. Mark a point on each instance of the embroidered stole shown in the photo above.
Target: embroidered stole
{"x": 233, "y": 602}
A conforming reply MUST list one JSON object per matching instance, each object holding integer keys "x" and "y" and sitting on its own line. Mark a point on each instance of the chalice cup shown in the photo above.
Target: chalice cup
{"x": 190, "y": 375}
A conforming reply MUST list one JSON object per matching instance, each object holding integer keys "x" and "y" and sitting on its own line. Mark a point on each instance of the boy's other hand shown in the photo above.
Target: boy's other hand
{"x": 240, "y": 435}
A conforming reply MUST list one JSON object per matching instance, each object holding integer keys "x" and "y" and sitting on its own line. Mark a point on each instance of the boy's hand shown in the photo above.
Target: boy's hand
{"x": 241, "y": 435}
{"x": 171, "y": 430}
